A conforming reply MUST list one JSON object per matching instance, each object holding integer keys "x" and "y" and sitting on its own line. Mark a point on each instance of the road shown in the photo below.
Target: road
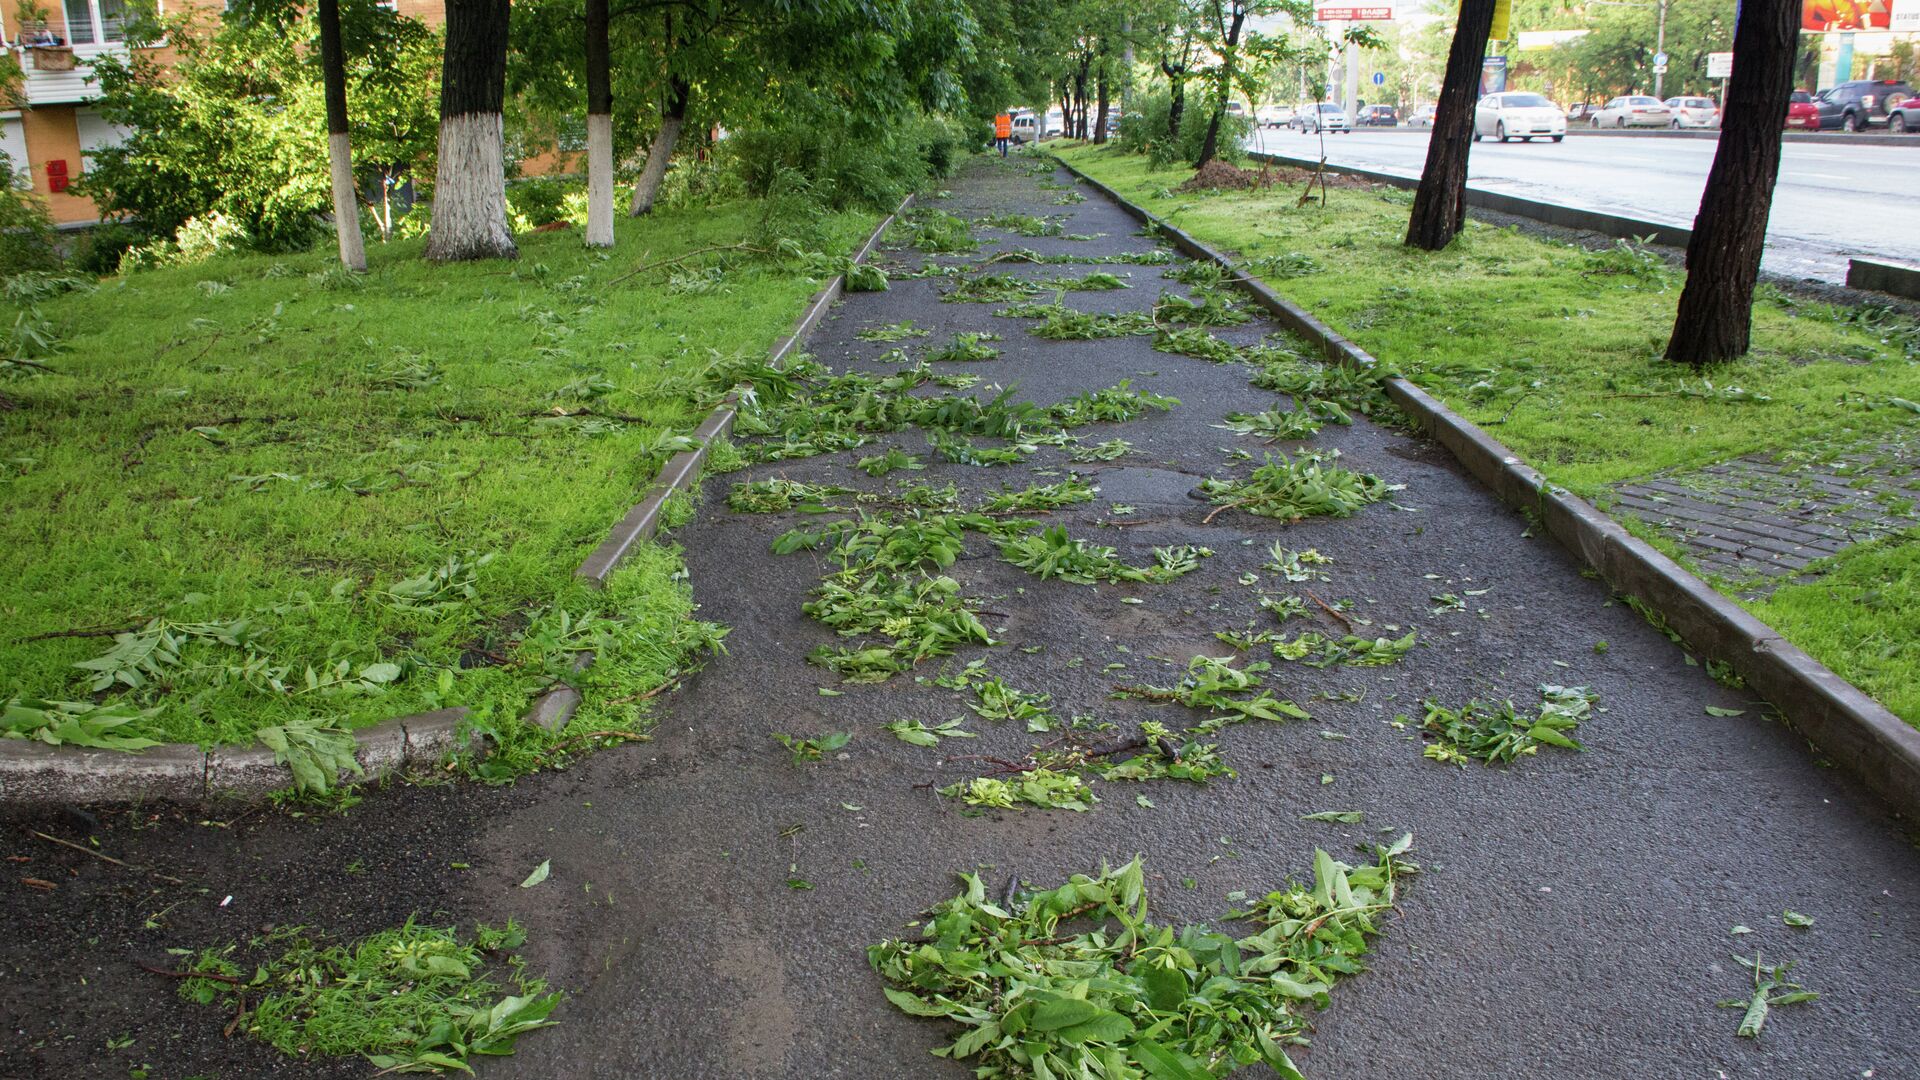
{"x": 1831, "y": 202}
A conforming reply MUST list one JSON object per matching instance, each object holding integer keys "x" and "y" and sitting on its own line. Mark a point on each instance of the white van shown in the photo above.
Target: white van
{"x": 1025, "y": 128}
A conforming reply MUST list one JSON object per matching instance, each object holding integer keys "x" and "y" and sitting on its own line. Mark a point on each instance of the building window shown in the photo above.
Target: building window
{"x": 96, "y": 22}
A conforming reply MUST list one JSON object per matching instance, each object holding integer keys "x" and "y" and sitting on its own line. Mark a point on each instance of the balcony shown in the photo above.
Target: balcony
{"x": 44, "y": 87}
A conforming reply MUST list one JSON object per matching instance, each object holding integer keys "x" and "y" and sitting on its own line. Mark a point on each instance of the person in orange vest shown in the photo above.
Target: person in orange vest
{"x": 1002, "y": 131}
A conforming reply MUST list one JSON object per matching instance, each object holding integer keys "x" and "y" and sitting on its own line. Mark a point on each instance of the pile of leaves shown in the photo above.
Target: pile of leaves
{"x": 1294, "y": 488}
{"x": 1077, "y": 981}
{"x": 414, "y": 999}
{"x": 1495, "y": 733}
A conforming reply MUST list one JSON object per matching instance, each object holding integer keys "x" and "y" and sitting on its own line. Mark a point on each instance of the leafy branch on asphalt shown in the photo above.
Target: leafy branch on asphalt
{"x": 1494, "y": 733}
{"x": 1078, "y": 981}
{"x": 1770, "y": 987}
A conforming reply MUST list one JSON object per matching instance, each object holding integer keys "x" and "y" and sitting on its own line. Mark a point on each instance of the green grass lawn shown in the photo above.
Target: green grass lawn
{"x": 339, "y": 499}
{"x": 1556, "y": 351}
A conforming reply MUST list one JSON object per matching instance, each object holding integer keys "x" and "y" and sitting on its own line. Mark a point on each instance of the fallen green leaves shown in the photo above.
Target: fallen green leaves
{"x": 1295, "y": 488}
{"x": 1124, "y": 998}
{"x": 1043, "y": 788}
{"x": 812, "y": 748}
{"x": 1770, "y": 987}
{"x": 415, "y": 999}
{"x": 919, "y": 733}
{"x": 1495, "y": 733}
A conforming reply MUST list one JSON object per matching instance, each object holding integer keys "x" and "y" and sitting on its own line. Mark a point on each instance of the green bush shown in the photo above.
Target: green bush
{"x": 846, "y": 165}
{"x": 1144, "y": 130}
{"x": 26, "y": 229}
{"x": 100, "y": 249}
{"x": 542, "y": 200}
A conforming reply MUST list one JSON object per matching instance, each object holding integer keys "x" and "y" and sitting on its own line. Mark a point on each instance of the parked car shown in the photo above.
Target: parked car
{"x": 1518, "y": 115}
{"x": 1274, "y": 116}
{"x": 1860, "y": 104}
{"x": 1026, "y": 128}
{"x": 1693, "y": 112}
{"x": 1579, "y": 110}
{"x": 1055, "y": 125}
{"x": 1325, "y": 116}
{"x": 1422, "y": 116}
{"x": 1802, "y": 113}
{"x": 1378, "y": 116}
{"x": 1633, "y": 110}
{"x": 1904, "y": 117}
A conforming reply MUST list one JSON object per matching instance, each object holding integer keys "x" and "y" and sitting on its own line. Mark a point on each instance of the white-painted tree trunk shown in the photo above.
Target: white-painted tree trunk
{"x": 346, "y": 204}
{"x": 470, "y": 191}
{"x": 599, "y": 181}
{"x": 648, "y": 186}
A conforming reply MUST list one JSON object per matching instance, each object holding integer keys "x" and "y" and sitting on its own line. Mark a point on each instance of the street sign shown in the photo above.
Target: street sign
{"x": 1659, "y": 59}
{"x": 1719, "y": 65}
{"x": 1659, "y": 69}
{"x": 1379, "y": 79}
{"x": 1354, "y": 14}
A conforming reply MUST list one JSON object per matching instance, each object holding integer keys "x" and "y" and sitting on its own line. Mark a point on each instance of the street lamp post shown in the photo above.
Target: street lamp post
{"x": 1660, "y": 50}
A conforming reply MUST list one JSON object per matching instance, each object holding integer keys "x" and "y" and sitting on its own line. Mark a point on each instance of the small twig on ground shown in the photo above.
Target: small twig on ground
{"x": 91, "y": 631}
{"x": 102, "y": 857}
{"x": 653, "y": 693}
{"x": 1331, "y": 610}
{"x": 1208, "y": 520}
{"x": 559, "y": 746}
{"x": 34, "y": 364}
{"x": 214, "y": 975}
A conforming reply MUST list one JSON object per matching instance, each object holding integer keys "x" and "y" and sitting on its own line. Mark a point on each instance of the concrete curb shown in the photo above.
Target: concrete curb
{"x": 1571, "y": 217}
{"x": 36, "y": 774}
{"x": 1854, "y": 730}
{"x": 1881, "y": 276}
{"x": 1829, "y": 138}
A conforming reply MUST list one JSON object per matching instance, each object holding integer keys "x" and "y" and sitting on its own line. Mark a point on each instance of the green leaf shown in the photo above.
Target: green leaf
{"x": 1715, "y": 710}
{"x": 1344, "y": 817}
{"x": 1063, "y": 1012}
{"x": 1795, "y": 919}
{"x": 1162, "y": 1063}
{"x": 1756, "y": 1016}
{"x": 914, "y": 1005}
{"x": 539, "y": 874}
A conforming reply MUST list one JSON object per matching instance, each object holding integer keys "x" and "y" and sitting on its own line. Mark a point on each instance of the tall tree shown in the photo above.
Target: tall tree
{"x": 470, "y": 185}
{"x": 599, "y": 128}
{"x": 1224, "y": 22}
{"x": 1715, "y": 320}
{"x": 1440, "y": 204}
{"x": 333, "y": 77}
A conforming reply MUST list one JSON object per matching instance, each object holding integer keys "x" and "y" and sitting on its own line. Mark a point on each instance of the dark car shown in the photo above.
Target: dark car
{"x": 1860, "y": 104}
{"x": 1377, "y": 116}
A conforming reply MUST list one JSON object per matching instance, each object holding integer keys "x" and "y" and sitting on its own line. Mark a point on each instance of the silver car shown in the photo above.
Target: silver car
{"x": 1518, "y": 115}
{"x": 1693, "y": 112}
{"x": 1325, "y": 116}
{"x": 1633, "y": 110}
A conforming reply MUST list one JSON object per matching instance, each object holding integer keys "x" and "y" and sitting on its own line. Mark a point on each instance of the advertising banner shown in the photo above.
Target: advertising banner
{"x": 1906, "y": 16}
{"x": 1493, "y": 75}
{"x": 1822, "y": 16}
{"x": 1502, "y": 19}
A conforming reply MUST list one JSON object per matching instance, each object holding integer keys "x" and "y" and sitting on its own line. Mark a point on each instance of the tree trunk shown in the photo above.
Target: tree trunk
{"x": 1210, "y": 147}
{"x": 1715, "y": 319}
{"x": 346, "y": 202}
{"x": 1100, "y": 116}
{"x": 599, "y": 129}
{"x": 1177, "y": 101}
{"x": 470, "y": 186}
{"x": 1440, "y": 205}
{"x": 672, "y": 119}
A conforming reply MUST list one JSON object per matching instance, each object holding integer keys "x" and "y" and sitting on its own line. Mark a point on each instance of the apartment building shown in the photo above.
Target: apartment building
{"x": 49, "y": 126}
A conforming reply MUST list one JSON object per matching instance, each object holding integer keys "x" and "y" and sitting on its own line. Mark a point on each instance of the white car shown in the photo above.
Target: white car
{"x": 1693, "y": 112}
{"x": 1273, "y": 116}
{"x": 1634, "y": 110}
{"x": 1025, "y": 128}
{"x": 1518, "y": 115}
{"x": 1325, "y": 116}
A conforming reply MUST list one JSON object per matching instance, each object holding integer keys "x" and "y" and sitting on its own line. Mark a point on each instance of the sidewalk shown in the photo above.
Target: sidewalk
{"x": 710, "y": 902}
{"x": 1575, "y": 916}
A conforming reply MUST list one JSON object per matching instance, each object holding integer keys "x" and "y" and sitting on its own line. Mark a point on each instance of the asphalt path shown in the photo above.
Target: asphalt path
{"x": 1831, "y": 201}
{"x": 710, "y": 902}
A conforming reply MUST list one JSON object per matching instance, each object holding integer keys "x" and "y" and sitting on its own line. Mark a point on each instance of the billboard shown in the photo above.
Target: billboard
{"x": 1906, "y": 15}
{"x": 1820, "y": 16}
{"x": 1375, "y": 13}
{"x": 1493, "y": 75}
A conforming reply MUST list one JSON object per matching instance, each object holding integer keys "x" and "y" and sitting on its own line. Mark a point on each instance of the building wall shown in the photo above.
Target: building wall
{"x": 53, "y": 135}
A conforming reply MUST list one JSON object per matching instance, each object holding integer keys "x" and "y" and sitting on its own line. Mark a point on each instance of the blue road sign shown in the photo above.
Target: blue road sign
{"x": 1379, "y": 79}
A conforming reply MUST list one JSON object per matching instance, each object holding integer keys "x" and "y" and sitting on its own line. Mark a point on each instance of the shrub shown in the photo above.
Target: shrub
{"x": 99, "y": 249}
{"x": 1144, "y": 131}
{"x": 542, "y": 200}
{"x": 26, "y": 229}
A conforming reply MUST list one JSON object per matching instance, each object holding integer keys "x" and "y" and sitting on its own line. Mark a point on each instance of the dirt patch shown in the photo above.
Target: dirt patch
{"x": 1220, "y": 176}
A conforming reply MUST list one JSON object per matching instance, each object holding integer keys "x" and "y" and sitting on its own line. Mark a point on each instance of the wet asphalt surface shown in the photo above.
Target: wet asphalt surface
{"x": 1572, "y": 920}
